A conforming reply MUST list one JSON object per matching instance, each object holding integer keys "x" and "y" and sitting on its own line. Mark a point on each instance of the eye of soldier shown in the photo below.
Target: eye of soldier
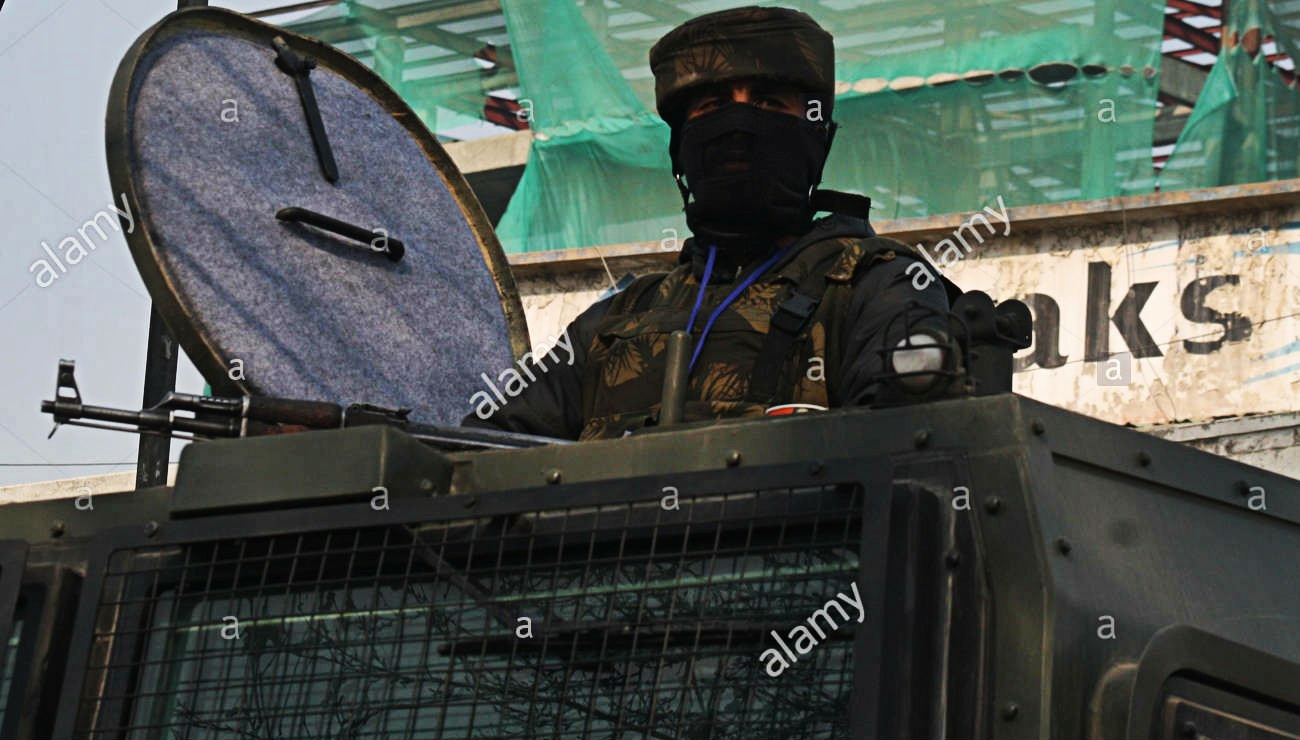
{"x": 707, "y": 101}
{"x": 783, "y": 99}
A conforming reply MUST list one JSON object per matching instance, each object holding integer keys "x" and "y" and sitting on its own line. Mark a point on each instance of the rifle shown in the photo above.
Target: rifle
{"x": 252, "y": 416}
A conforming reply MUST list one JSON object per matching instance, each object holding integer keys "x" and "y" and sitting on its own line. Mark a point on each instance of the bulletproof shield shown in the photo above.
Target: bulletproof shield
{"x": 299, "y": 229}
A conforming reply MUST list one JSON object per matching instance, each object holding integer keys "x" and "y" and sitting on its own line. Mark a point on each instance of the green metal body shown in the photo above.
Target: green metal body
{"x": 1027, "y": 572}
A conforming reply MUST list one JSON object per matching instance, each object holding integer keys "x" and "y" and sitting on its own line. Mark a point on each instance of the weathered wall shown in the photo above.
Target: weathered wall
{"x": 1148, "y": 310}
{"x": 1270, "y": 441}
{"x": 71, "y": 488}
{"x": 1198, "y": 308}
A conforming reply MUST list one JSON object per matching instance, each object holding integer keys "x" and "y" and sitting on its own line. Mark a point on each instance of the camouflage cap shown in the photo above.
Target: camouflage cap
{"x": 778, "y": 44}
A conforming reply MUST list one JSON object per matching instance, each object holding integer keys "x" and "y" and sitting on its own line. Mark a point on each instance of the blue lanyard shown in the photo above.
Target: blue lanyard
{"x": 708, "y": 271}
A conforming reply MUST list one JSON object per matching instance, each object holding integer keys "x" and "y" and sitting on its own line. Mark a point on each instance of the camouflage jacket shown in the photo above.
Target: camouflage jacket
{"x": 616, "y": 381}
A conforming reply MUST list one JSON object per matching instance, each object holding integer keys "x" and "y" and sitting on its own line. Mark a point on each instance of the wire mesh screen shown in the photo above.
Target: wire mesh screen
{"x": 618, "y": 621}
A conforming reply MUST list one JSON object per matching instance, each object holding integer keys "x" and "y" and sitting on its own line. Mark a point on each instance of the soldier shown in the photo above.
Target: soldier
{"x": 781, "y": 308}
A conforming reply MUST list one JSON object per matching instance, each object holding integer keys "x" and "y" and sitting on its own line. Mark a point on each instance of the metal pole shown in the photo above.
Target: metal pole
{"x": 676, "y": 379}
{"x": 161, "y": 355}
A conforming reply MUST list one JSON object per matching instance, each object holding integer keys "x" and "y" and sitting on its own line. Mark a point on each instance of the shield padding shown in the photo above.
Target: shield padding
{"x": 208, "y": 139}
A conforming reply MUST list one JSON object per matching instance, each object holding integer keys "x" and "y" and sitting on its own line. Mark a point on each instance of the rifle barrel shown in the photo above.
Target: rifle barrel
{"x": 162, "y": 420}
{"x": 249, "y": 416}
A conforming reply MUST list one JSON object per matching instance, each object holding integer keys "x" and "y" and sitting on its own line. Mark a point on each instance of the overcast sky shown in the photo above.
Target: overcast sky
{"x": 57, "y": 58}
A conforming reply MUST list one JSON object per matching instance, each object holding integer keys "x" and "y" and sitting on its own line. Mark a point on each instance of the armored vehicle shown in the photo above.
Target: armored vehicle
{"x": 980, "y": 566}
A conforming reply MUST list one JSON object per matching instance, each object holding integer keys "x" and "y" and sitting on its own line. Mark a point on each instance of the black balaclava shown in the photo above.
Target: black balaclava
{"x": 749, "y": 173}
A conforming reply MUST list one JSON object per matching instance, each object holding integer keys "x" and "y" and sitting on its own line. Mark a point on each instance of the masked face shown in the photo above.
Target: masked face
{"x": 750, "y": 172}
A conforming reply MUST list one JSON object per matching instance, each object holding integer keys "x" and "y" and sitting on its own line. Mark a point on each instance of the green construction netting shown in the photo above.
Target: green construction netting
{"x": 943, "y": 107}
{"x": 1062, "y": 109}
{"x": 1246, "y": 123}
{"x": 430, "y": 64}
{"x": 598, "y": 170}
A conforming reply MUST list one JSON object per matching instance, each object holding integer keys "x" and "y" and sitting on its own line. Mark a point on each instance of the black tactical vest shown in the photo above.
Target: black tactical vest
{"x": 623, "y": 381}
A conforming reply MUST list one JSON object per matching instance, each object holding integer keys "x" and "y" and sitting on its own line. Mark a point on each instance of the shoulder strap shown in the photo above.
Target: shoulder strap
{"x": 789, "y": 321}
{"x": 849, "y": 204}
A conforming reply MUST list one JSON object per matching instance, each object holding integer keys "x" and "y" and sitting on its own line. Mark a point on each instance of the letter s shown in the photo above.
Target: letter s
{"x": 1236, "y": 327}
